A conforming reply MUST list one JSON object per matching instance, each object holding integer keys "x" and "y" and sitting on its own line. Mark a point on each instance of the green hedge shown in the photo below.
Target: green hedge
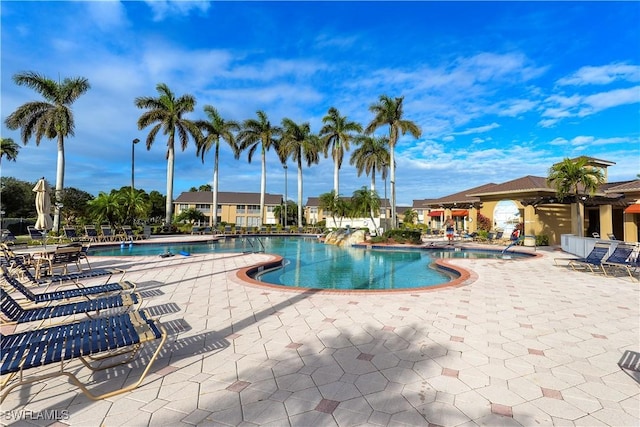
{"x": 403, "y": 236}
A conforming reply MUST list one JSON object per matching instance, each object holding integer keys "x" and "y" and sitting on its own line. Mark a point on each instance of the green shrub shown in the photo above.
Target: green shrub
{"x": 483, "y": 234}
{"x": 542, "y": 240}
{"x": 378, "y": 239}
{"x": 403, "y": 236}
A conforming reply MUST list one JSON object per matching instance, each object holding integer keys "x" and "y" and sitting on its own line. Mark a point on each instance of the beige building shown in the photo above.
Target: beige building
{"x": 613, "y": 211}
{"x": 241, "y": 209}
{"x": 314, "y": 213}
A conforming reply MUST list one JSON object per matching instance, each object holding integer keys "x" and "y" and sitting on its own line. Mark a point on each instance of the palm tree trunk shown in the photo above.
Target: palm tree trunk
{"x": 299, "y": 191}
{"x": 169, "y": 204}
{"x": 392, "y": 180}
{"x": 59, "y": 183}
{"x": 336, "y": 177}
{"x": 214, "y": 207}
{"x": 263, "y": 186}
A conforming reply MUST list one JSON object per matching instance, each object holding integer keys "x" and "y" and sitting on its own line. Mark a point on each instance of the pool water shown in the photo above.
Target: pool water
{"x": 309, "y": 263}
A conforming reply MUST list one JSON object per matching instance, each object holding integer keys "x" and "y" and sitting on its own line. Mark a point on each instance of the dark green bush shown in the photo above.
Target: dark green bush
{"x": 403, "y": 236}
{"x": 542, "y": 240}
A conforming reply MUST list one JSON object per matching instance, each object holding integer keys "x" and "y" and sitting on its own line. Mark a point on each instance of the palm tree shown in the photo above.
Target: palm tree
{"x": 254, "y": 134}
{"x": 337, "y": 133}
{"x": 332, "y": 203}
{"x": 389, "y": 111}
{"x": 214, "y": 129}
{"x": 410, "y": 216}
{"x": 366, "y": 202}
{"x": 8, "y": 150}
{"x": 371, "y": 155}
{"x": 51, "y": 118}
{"x": 167, "y": 112}
{"x": 575, "y": 177}
{"x": 106, "y": 207}
{"x": 298, "y": 142}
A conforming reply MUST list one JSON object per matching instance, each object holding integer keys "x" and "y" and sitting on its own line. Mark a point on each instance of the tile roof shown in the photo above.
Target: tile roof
{"x": 524, "y": 184}
{"x": 460, "y": 197}
{"x": 623, "y": 187}
{"x": 227, "y": 198}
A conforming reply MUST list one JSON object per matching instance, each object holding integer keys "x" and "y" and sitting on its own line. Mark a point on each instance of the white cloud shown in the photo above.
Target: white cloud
{"x": 106, "y": 15}
{"x": 601, "y": 75}
{"x": 479, "y": 129}
{"x": 163, "y": 8}
{"x": 603, "y": 100}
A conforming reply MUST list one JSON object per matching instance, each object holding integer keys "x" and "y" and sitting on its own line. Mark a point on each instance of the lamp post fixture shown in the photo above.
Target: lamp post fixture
{"x": 286, "y": 196}
{"x": 133, "y": 153}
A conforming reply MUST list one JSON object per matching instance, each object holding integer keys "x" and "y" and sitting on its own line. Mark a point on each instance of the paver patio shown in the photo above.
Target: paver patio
{"x": 523, "y": 343}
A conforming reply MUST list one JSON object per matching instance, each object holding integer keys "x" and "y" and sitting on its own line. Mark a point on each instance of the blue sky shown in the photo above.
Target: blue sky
{"x": 500, "y": 89}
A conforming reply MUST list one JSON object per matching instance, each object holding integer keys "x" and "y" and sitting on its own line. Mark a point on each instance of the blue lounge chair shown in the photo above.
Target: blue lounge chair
{"x": 71, "y": 234}
{"x": 88, "y": 340}
{"x": 17, "y": 265}
{"x": 92, "y": 234}
{"x": 15, "y": 313}
{"x": 64, "y": 294}
{"x": 624, "y": 256}
{"x": 593, "y": 261}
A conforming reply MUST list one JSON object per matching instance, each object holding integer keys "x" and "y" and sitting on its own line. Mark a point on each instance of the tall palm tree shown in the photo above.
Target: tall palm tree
{"x": 337, "y": 133}
{"x": 214, "y": 129}
{"x": 167, "y": 112}
{"x": 51, "y": 118}
{"x": 389, "y": 111}
{"x": 575, "y": 177}
{"x": 371, "y": 155}
{"x": 254, "y": 134}
{"x": 300, "y": 144}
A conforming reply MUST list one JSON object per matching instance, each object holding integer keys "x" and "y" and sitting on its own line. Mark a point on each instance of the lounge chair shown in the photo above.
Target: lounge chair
{"x": 71, "y": 234}
{"x": 16, "y": 313}
{"x": 630, "y": 363}
{"x": 17, "y": 267}
{"x": 94, "y": 339}
{"x": 196, "y": 230}
{"x": 36, "y": 235}
{"x": 624, "y": 256}
{"x": 593, "y": 261}
{"x": 7, "y": 236}
{"x": 65, "y": 294}
{"x": 109, "y": 235}
{"x": 227, "y": 229}
{"x": 128, "y": 232}
{"x": 92, "y": 234}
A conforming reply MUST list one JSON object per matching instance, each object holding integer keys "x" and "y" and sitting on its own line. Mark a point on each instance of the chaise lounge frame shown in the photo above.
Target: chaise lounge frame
{"x": 93, "y": 340}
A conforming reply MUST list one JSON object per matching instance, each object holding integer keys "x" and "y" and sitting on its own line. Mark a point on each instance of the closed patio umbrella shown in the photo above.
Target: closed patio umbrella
{"x": 43, "y": 206}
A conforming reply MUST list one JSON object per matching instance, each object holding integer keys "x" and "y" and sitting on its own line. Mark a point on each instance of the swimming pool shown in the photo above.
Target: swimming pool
{"x": 309, "y": 263}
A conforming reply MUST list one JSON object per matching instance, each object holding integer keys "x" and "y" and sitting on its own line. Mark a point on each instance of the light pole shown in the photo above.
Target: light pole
{"x": 284, "y": 165}
{"x": 133, "y": 153}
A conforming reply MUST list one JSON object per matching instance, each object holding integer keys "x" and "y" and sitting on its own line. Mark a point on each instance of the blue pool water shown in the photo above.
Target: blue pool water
{"x": 310, "y": 263}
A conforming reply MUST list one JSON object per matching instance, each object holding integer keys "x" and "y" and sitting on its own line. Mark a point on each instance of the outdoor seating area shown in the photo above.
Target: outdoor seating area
{"x": 226, "y": 352}
{"x": 607, "y": 258}
{"x": 93, "y": 324}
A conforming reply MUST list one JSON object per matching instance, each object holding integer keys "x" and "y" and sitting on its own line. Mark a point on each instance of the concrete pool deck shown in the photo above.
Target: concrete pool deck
{"x": 521, "y": 343}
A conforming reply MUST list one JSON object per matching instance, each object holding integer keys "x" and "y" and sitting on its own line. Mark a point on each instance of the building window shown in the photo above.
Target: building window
{"x": 184, "y": 207}
{"x": 240, "y": 221}
{"x": 240, "y": 208}
{"x": 253, "y": 209}
{"x": 203, "y": 206}
{"x": 254, "y": 221}
{"x": 270, "y": 208}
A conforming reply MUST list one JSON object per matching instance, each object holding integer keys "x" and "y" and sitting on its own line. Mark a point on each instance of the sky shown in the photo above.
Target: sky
{"x": 500, "y": 90}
